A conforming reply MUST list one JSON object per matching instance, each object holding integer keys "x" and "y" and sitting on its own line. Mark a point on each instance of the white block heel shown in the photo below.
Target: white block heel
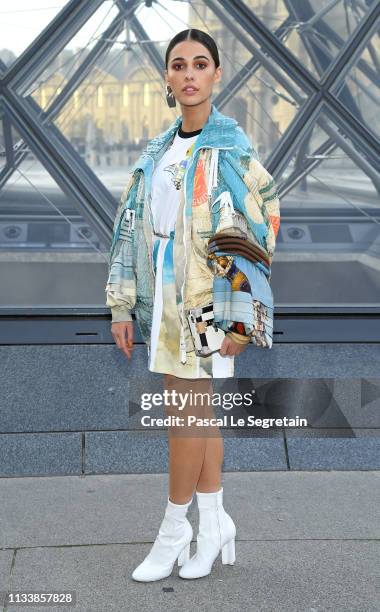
{"x": 217, "y": 533}
{"x": 228, "y": 553}
{"x": 184, "y": 555}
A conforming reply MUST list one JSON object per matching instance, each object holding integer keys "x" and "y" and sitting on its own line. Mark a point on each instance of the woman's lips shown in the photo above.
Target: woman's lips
{"x": 190, "y": 92}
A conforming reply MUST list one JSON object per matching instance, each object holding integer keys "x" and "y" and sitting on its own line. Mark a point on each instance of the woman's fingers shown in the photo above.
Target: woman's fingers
{"x": 130, "y": 334}
{"x": 123, "y": 336}
{"x": 229, "y": 347}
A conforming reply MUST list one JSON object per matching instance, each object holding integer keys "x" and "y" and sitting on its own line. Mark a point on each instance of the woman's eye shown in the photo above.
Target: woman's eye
{"x": 175, "y": 66}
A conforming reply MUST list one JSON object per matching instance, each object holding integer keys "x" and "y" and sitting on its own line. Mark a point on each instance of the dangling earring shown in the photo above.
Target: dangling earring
{"x": 170, "y": 97}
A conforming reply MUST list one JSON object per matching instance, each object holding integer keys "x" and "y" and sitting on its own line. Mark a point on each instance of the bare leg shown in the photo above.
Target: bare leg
{"x": 210, "y": 478}
{"x": 190, "y": 446}
{"x": 211, "y": 473}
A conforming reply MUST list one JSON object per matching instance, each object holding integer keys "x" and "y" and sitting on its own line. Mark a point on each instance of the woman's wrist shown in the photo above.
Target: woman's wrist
{"x": 239, "y": 338}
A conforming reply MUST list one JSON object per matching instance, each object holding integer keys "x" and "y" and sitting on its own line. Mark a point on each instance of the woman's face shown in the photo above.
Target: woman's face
{"x": 190, "y": 65}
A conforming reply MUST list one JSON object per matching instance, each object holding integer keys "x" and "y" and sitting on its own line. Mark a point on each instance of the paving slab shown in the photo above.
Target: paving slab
{"x": 117, "y": 509}
{"x": 275, "y": 576}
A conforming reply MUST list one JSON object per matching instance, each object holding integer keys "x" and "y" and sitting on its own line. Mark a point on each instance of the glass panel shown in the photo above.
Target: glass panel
{"x": 263, "y": 106}
{"x": 329, "y": 219}
{"x": 121, "y": 103}
{"x": 46, "y": 244}
{"x": 21, "y": 21}
{"x": 51, "y": 82}
{"x": 264, "y": 110}
{"x": 274, "y": 13}
{"x": 317, "y": 30}
{"x": 330, "y": 231}
{"x": 115, "y": 111}
{"x": 360, "y": 91}
{"x": 162, "y": 20}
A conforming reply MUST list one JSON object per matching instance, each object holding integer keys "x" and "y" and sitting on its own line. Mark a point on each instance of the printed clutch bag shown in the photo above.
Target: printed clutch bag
{"x": 207, "y": 337}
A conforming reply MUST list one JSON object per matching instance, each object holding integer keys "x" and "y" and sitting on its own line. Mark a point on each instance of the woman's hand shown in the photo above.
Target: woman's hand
{"x": 123, "y": 336}
{"x": 230, "y": 347}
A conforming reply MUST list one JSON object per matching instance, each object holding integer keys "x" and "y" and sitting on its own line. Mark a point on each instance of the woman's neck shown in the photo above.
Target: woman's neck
{"x": 194, "y": 117}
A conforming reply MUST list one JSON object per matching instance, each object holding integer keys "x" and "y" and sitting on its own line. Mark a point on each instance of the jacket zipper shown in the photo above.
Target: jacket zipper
{"x": 149, "y": 198}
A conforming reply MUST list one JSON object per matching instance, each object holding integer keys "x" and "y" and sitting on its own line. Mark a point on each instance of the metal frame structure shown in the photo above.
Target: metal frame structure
{"x": 316, "y": 98}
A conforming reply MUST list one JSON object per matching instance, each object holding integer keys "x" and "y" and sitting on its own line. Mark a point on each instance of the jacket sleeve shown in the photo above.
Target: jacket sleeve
{"x": 244, "y": 294}
{"x": 262, "y": 203}
{"x": 121, "y": 283}
{"x": 263, "y": 190}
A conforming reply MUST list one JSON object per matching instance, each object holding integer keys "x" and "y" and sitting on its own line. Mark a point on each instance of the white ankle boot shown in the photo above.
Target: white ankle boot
{"x": 217, "y": 533}
{"x": 172, "y": 542}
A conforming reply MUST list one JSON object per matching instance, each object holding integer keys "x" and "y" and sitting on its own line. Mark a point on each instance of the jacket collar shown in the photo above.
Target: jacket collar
{"x": 218, "y": 131}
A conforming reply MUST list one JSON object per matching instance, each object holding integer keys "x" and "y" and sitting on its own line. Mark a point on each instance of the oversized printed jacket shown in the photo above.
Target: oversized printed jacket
{"x": 225, "y": 162}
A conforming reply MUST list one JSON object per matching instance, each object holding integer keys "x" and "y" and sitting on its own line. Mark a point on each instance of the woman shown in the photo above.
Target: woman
{"x": 161, "y": 264}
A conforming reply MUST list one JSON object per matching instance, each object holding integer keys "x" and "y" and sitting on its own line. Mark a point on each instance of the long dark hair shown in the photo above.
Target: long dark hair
{"x": 199, "y": 36}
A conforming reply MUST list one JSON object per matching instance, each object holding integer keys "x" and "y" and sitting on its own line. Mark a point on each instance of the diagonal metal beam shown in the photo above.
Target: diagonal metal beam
{"x": 252, "y": 65}
{"x": 245, "y": 73}
{"x": 270, "y": 45}
{"x": 33, "y": 61}
{"x": 82, "y": 72}
{"x": 312, "y": 110}
{"x": 63, "y": 163}
{"x": 293, "y": 135}
{"x": 66, "y": 174}
{"x": 352, "y": 48}
{"x": 8, "y": 142}
{"x": 148, "y": 47}
{"x": 334, "y": 141}
{"x": 106, "y": 41}
{"x": 357, "y": 133}
{"x": 318, "y": 50}
{"x": 237, "y": 82}
{"x": 85, "y": 68}
{"x": 9, "y": 169}
{"x": 285, "y": 149}
{"x": 267, "y": 62}
{"x": 308, "y": 164}
{"x": 112, "y": 32}
{"x": 351, "y": 152}
{"x": 246, "y": 17}
{"x": 312, "y": 38}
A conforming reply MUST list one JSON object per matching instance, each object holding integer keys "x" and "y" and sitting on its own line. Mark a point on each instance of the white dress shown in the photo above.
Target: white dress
{"x": 163, "y": 353}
